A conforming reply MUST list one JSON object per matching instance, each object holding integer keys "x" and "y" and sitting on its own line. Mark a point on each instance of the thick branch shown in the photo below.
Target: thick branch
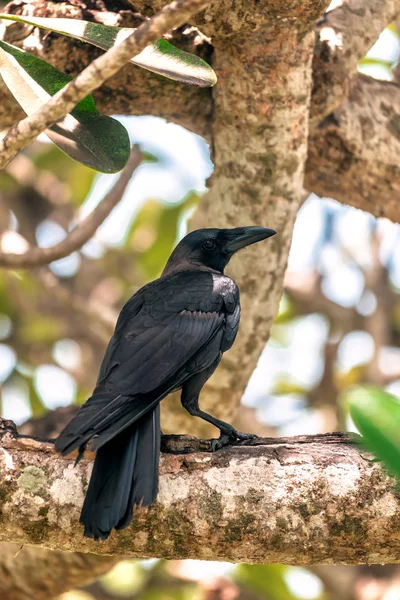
{"x": 295, "y": 500}
{"x": 82, "y": 233}
{"x": 353, "y": 156}
{"x": 101, "y": 69}
{"x": 228, "y": 18}
{"x": 344, "y": 36}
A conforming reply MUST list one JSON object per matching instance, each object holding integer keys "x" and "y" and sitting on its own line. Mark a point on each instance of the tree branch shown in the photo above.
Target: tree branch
{"x": 227, "y": 19}
{"x": 101, "y": 69}
{"x": 353, "y": 156}
{"x": 132, "y": 91}
{"x": 304, "y": 500}
{"x": 344, "y": 36}
{"x": 82, "y": 232}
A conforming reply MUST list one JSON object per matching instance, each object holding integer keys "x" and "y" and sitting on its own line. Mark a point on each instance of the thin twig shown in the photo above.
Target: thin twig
{"x": 83, "y": 232}
{"x": 25, "y": 132}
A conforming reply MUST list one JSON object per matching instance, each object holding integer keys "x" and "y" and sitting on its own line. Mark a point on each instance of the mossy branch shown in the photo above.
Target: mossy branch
{"x": 301, "y": 500}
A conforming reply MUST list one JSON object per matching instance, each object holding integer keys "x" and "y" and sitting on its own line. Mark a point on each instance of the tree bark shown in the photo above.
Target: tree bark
{"x": 343, "y": 36}
{"x": 304, "y": 500}
{"x": 354, "y": 153}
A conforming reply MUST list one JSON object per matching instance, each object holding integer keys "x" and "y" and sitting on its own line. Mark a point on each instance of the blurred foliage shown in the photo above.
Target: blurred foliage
{"x": 266, "y": 580}
{"x": 78, "y": 177}
{"x": 198, "y": 580}
{"x": 158, "y": 217}
{"x": 150, "y": 582}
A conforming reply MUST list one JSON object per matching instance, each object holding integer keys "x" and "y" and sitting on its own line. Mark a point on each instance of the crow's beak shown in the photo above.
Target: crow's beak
{"x": 247, "y": 236}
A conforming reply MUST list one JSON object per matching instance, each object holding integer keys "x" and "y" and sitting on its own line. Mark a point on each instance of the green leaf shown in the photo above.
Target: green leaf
{"x": 161, "y": 58}
{"x": 89, "y": 137}
{"x": 376, "y": 414}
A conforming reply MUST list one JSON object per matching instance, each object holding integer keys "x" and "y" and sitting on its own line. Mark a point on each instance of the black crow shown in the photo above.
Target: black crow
{"x": 170, "y": 335}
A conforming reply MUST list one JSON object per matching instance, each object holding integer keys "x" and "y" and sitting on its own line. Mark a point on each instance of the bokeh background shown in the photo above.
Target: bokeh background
{"x": 338, "y": 324}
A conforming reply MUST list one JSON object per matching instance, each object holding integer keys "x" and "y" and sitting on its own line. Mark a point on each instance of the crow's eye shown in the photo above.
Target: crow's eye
{"x": 209, "y": 245}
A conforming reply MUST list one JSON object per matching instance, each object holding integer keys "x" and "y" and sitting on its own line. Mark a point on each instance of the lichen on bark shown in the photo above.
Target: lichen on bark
{"x": 304, "y": 500}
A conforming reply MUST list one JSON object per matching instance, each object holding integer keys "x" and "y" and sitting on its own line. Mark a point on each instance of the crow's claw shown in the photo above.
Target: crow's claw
{"x": 230, "y": 437}
{"x": 246, "y": 436}
{"x": 223, "y": 440}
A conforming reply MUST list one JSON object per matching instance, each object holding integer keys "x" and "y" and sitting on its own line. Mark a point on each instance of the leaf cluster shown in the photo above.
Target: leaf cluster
{"x": 98, "y": 141}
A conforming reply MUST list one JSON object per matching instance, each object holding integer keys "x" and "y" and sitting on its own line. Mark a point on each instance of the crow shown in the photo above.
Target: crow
{"x": 170, "y": 335}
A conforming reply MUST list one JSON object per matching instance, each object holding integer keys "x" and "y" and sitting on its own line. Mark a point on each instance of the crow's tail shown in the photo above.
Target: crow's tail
{"x": 125, "y": 474}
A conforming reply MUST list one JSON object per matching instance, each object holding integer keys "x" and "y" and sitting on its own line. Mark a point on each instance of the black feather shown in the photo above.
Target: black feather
{"x": 144, "y": 488}
{"x": 125, "y": 474}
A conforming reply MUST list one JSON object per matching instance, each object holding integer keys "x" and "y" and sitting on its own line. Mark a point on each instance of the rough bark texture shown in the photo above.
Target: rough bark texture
{"x": 354, "y": 153}
{"x": 298, "y": 500}
{"x": 344, "y": 35}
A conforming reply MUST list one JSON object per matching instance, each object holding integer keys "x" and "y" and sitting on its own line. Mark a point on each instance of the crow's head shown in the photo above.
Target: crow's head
{"x": 213, "y": 248}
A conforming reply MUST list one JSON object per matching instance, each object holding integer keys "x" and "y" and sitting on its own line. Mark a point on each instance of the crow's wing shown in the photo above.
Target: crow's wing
{"x": 158, "y": 334}
{"x": 161, "y": 331}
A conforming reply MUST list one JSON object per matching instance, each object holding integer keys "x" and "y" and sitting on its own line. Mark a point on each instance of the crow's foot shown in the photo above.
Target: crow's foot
{"x": 230, "y": 437}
